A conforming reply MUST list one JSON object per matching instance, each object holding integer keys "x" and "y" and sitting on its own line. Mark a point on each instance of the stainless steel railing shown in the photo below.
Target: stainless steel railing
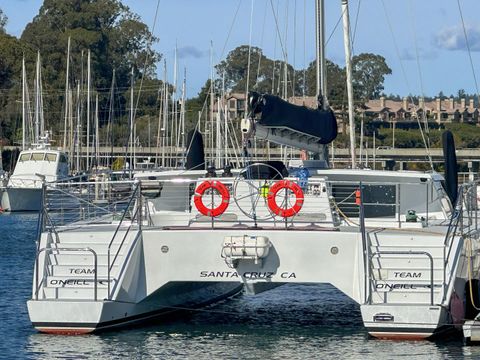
{"x": 135, "y": 196}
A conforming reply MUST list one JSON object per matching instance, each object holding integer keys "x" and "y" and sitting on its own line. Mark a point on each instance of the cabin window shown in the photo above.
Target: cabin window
{"x": 25, "y": 157}
{"x": 63, "y": 158}
{"x": 38, "y": 156}
{"x": 378, "y": 200}
{"x": 51, "y": 157}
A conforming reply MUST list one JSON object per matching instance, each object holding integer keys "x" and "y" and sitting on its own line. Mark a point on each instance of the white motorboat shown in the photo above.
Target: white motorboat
{"x": 23, "y": 190}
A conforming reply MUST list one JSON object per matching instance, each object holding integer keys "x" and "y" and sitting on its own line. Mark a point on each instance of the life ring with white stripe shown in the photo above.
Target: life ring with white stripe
{"x": 222, "y": 191}
{"x": 284, "y": 211}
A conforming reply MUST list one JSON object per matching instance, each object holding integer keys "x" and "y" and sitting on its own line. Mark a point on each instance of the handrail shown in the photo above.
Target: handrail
{"x": 378, "y": 253}
{"x": 365, "y": 245}
{"x": 40, "y": 221}
{"x": 47, "y": 250}
{"x": 123, "y": 240}
{"x": 109, "y": 265}
{"x": 455, "y": 218}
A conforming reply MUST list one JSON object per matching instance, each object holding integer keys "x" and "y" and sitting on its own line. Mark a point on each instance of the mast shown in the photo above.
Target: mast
{"x": 111, "y": 117}
{"x": 88, "y": 111}
{"x": 165, "y": 112}
{"x": 66, "y": 96}
{"x": 37, "y": 100}
{"x": 182, "y": 111}
{"x": 348, "y": 68}
{"x": 218, "y": 139}
{"x": 131, "y": 123}
{"x": 79, "y": 126}
{"x": 97, "y": 140}
{"x": 174, "y": 131}
{"x": 321, "y": 88}
{"x": 211, "y": 102}
{"x": 24, "y": 121}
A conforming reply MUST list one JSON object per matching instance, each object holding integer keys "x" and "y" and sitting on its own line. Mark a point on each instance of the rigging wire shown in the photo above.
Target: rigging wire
{"x": 294, "y": 45}
{"x": 204, "y": 106}
{"x": 304, "y": 49}
{"x": 417, "y": 56}
{"x": 249, "y": 55}
{"x": 427, "y": 149}
{"x": 147, "y": 58}
{"x": 255, "y": 86}
{"x": 468, "y": 46}
{"x": 278, "y": 32}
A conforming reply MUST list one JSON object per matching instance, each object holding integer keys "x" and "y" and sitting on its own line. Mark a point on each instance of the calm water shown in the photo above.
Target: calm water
{"x": 290, "y": 322}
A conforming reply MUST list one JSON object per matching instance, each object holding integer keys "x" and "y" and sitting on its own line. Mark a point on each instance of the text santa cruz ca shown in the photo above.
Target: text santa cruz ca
{"x": 246, "y": 274}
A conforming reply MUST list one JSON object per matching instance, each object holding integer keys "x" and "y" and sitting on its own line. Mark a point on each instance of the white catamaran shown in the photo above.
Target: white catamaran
{"x": 401, "y": 244}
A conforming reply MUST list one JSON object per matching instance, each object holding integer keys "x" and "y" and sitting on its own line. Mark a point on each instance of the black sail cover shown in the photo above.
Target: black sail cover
{"x": 195, "y": 154}
{"x": 451, "y": 176}
{"x": 276, "y": 112}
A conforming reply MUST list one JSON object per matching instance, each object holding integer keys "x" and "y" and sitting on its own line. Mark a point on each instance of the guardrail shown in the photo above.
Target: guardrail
{"x": 325, "y": 202}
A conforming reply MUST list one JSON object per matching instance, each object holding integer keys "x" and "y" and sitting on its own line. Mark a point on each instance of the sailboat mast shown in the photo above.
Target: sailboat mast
{"x": 97, "y": 140}
{"x": 348, "y": 68}
{"x": 24, "y": 121}
{"x": 37, "y": 100}
{"x": 77, "y": 136}
{"x": 88, "y": 110}
{"x": 184, "y": 85}
{"x": 132, "y": 158}
{"x": 66, "y": 96}
{"x": 321, "y": 88}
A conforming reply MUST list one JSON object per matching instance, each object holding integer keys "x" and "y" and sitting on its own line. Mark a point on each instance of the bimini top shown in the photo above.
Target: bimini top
{"x": 308, "y": 125}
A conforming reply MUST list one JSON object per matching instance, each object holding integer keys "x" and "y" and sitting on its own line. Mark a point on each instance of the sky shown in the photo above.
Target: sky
{"x": 423, "y": 41}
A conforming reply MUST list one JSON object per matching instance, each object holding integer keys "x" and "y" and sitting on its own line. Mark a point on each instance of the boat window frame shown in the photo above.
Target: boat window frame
{"x": 47, "y": 155}
{"x": 33, "y": 158}
{"x": 22, "y": 159}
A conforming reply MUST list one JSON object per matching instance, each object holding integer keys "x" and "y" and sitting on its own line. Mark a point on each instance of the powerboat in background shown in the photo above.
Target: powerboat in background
{"x": 42, "y": 164}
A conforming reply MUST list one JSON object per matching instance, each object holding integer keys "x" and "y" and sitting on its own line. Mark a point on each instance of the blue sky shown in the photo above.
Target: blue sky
{"x": 428, "y": 30}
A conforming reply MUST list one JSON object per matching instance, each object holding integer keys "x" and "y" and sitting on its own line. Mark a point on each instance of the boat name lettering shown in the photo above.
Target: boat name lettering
{"x": 405, "y": 274}
{"x": 67, "y": 282}
{"x": 404, "y": 286}
{"x": 81, "y": 271}
{"x": 218, "y": 274}
{"x": 247, "y": 274}
{"x": 288, "y": 275}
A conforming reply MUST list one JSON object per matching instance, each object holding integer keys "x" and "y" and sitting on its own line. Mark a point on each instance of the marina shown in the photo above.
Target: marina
{"x": 268, "y": 216}
{"x": 292, "y": 321}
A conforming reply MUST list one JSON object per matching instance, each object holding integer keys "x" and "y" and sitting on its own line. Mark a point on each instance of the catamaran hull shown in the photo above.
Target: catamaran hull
{"x": 72, "y": 317}
{"x": 21, "y": 199}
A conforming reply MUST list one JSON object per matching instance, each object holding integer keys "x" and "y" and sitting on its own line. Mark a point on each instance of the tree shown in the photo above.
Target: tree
{"x": 3, "y": 21}
{"x": 266, "y": 75}
{"x": 369, "y": 72}
{"x": 11, "y": 52}
{"x": 116, "y": 37}
{"x": 336, "y": 83}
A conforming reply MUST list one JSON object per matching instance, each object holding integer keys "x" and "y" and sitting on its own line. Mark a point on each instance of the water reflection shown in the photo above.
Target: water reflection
{"x": 290, "y": 322}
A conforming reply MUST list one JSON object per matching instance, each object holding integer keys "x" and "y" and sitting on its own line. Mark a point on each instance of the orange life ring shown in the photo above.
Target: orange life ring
{"x": 221, "y": 189}
{"x": 285, "y": 212}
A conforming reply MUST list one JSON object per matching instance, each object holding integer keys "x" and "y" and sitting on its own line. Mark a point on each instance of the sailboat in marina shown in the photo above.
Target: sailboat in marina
{"x": 38, "y": 162}
{"x": 400, "y": 244}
